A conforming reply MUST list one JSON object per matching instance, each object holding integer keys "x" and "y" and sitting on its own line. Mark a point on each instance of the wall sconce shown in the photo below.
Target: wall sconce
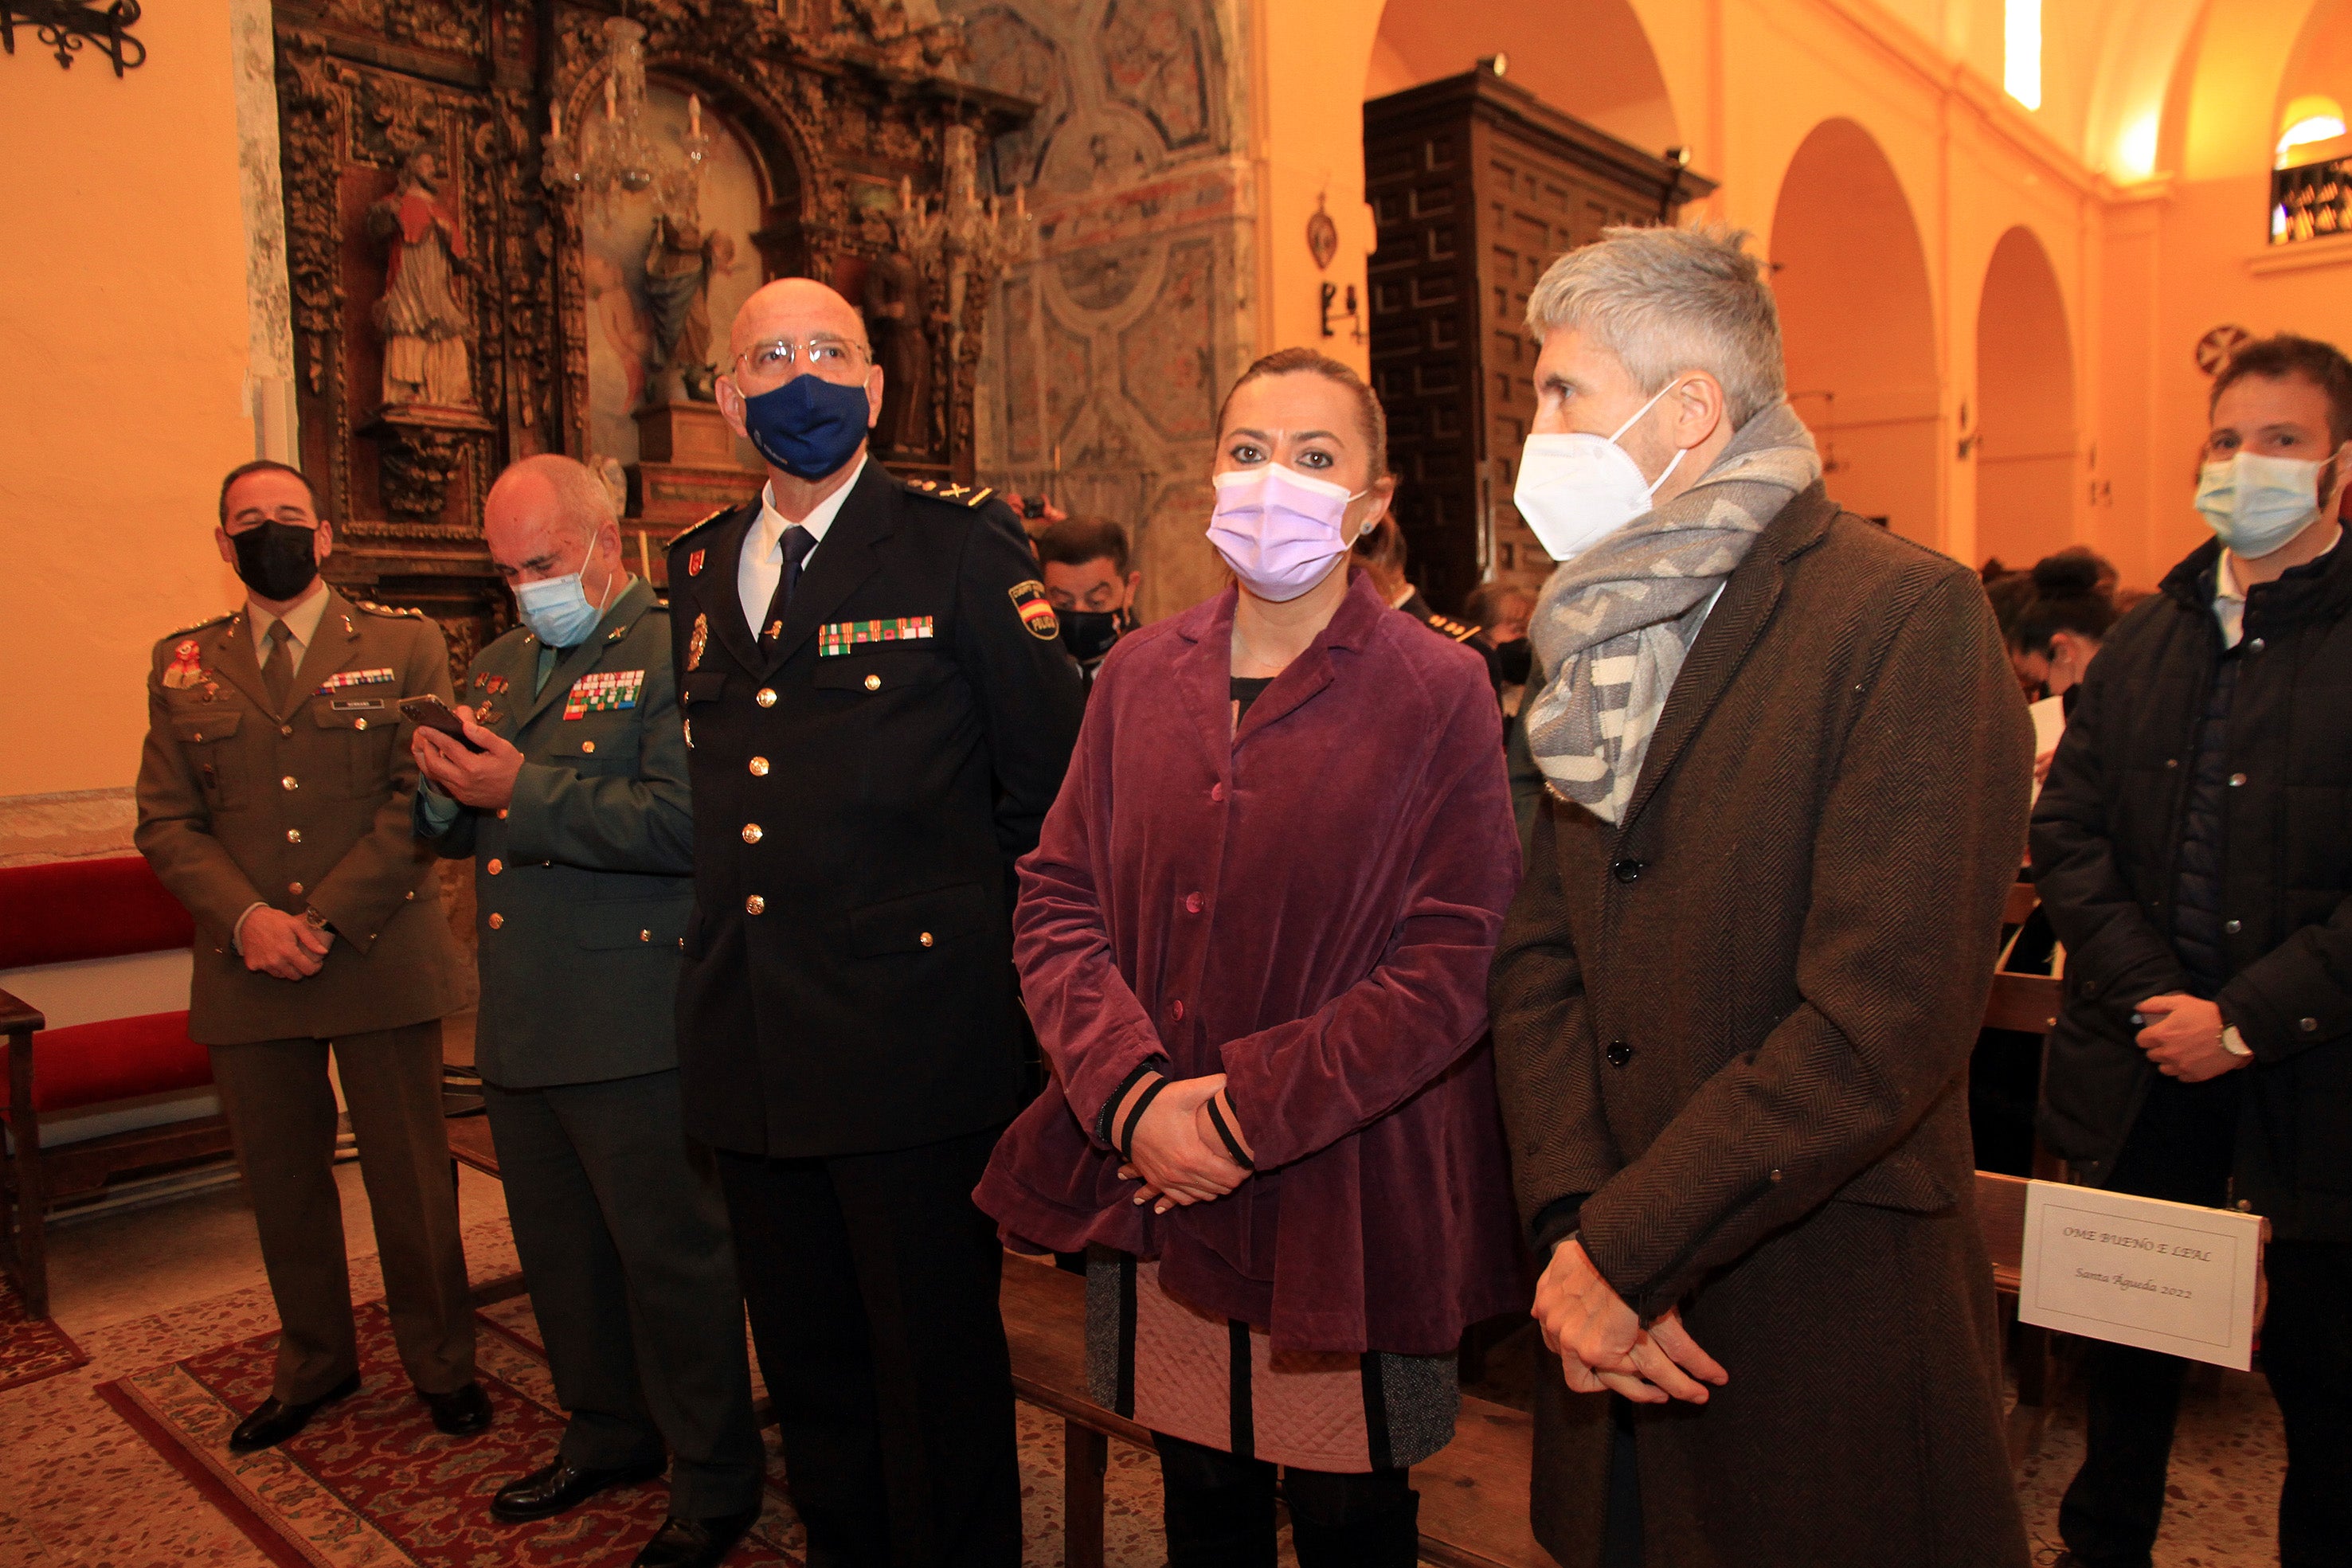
{"x": 1350, "y": 315}
{"x": 63, "y": 27}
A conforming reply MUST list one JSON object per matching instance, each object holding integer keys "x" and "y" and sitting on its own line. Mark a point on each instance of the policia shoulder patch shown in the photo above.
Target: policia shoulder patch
{"x": 1036, "y": 610}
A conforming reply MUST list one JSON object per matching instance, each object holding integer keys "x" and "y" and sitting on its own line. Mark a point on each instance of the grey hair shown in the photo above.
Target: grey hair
{"x": 1666, "y": 302}
{"x": 584, "y": 499}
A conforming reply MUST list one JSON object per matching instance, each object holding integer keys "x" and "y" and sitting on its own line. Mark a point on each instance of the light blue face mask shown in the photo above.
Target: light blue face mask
{"x": 2255, "y": 505}
{"x": 557, "y": 611}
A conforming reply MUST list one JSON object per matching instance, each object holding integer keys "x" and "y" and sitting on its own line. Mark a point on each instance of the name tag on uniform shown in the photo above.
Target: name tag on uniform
{"x": 341, "y": 679}
{"x": 603, "y": 692}
{"x": 845, "y": 636}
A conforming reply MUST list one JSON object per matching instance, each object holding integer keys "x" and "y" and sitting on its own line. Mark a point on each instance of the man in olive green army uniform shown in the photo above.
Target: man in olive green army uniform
{"x": 576, "y": 812}
{"x": 274, "y": 795}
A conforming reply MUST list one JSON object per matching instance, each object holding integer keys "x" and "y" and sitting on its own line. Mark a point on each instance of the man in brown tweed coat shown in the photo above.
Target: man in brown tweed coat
{"x": 1786, "y": 772}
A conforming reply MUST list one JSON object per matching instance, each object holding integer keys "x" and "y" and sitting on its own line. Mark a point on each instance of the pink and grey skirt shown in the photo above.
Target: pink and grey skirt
{"x": 1219, "y": 1383}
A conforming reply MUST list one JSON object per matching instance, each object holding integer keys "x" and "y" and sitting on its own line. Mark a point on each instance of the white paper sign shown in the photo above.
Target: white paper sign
{"x": 2139, "y": 1271}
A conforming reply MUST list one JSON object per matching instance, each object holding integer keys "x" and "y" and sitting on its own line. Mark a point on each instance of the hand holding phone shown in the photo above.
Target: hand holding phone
{"x": 429, "y": 712}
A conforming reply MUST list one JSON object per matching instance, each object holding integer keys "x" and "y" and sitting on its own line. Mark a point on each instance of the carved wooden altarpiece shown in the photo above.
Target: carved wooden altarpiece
{"x": 840, "y": 100}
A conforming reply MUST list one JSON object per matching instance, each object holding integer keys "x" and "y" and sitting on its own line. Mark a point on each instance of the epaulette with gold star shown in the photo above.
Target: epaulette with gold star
{"x": 373, "y": 608}
{"x": 210, "y": 621}
{"x": 938, "y": 490}
{"x": 683, "y": 534}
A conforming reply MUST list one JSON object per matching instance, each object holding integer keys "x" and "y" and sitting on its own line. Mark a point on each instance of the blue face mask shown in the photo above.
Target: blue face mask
{"x": 557, "y": 611}
{"x": 809, "y": 426}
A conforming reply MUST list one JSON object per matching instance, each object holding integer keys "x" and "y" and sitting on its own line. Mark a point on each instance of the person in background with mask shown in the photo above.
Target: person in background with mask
{"x": 1087, "y": 582}
{"x": 878, "y": 711}
{"x": 1786, "y": 776}
{"x": 2055, "y": 637}
{"x": 1254, "y": 940}
{"x": 569, "y": 795}
{"x": 2193, "y": 848}
{"x": 274, "y": 794}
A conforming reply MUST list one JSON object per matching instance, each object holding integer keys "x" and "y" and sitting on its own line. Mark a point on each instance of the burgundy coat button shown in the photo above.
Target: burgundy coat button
{"x": 1176, "y": 1011}
{"x": 1191, "y": 904}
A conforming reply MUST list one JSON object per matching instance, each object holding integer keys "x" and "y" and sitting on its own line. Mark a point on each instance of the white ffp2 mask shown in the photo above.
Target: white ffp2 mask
{"x": 1577, "y": 490}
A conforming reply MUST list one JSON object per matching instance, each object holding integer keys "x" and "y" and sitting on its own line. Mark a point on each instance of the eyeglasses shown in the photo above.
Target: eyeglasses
{"x": 774, "y": 359}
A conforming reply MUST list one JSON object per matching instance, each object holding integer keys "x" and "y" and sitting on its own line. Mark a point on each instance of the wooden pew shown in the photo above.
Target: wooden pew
{"x": 1473, "y": 1494}
{"x": 2000, "y": 1221}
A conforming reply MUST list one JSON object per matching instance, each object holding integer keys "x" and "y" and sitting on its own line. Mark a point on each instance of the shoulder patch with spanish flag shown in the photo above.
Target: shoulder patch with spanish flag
{"x": 1036, "y": 610}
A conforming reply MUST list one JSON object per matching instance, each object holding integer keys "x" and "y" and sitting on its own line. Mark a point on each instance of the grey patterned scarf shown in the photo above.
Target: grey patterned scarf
{"x": 1614, "y": 623}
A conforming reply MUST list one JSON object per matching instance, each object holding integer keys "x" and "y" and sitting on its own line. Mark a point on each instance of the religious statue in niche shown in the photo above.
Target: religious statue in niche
{"x": 424, "y": 325}
{"x": 680, "y": 265}
{"x": 896, "y": 318}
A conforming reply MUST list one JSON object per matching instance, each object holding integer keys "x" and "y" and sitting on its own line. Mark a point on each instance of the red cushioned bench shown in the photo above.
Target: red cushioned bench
{"x": 116, "y": 1089}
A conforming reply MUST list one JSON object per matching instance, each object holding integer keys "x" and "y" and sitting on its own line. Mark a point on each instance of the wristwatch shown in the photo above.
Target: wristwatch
{"x": 2234, "y": 1043}
{"x": 317, "y": 921}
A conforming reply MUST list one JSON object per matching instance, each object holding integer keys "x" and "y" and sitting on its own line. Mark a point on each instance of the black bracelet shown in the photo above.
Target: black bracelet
{"x": 1144, "y": 1069}
{"x": 1232, "y": 1144}
{"x": 1142, "y": 1102}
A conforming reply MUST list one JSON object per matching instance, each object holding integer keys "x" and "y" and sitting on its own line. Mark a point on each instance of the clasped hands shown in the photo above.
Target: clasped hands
{"x": 484, "y": 779}
{"x": 284, "y": 947}
{"x": 1603, "y": 1345}
{"x": 2182, "y": 1035}
{"x": 1176, "y": 1152}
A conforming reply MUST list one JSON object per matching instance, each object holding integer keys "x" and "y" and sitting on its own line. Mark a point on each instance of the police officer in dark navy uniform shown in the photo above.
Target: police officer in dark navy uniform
{"x": 879, "y": 713}
{"x": 1381, "y": 553}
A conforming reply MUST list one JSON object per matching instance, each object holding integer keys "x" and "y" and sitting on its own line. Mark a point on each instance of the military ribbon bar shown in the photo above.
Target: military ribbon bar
{"x": 345, "y": 678}
{"x": 842, "y": 636}
{"x": 603, "y": 692}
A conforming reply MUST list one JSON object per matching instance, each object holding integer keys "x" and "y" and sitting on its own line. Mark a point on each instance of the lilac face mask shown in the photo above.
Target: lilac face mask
{"x": 1279, "y": 530}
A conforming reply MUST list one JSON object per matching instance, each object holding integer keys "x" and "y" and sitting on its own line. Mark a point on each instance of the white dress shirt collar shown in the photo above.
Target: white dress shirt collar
{"x": 761, "y": 564}
{"x": 769, "y": 529}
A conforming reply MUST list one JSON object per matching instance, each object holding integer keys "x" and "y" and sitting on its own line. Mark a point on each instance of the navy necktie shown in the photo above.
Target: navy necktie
{"x": 797, "y": 542}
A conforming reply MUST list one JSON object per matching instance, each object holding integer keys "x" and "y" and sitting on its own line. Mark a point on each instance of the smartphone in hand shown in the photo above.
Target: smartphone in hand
{"x": 431, "y": 713}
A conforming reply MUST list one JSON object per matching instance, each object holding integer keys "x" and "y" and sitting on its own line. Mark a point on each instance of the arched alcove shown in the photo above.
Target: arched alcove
{"x": 1610, "y": 79}
{"x": 2026, "y": 444}
{"x": 1858, "y": 318}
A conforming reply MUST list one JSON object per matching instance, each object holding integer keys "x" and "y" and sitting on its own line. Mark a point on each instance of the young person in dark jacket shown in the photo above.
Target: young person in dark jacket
{"x": 2193, "y": 846}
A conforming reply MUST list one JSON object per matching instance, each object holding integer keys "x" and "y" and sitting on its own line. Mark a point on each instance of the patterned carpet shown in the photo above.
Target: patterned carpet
{"x": 370, "y": 1482}
{"x": 31, "y": 1348}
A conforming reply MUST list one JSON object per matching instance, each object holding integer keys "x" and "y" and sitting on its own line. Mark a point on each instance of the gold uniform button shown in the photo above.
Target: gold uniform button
{"x": 873, "y": 682}
{"x": 290, "y": 782}
{"x": 295, "y": 888}
{"x": 497, "y": 921}
{"x": 752, "y": 833}
{"x": 754, "y": 905}
{"x": 282, "y": 729}
{"x": 293, "y": 835}
{"x": 502, "y": 813}
{"x": 410, "y": 896}
{"x": 587, "y": 746}
{"x": 359, "y": 724}
{"x": 925, "y": 939}
{"x": 645, "y": 936}
{"x": 496, "y": 866}
{"x": 758, "y": 768}
{"x": 765, "y": 697}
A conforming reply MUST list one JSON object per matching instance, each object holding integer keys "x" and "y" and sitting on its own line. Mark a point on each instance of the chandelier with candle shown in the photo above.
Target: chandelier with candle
{"x": 609, "y": 156}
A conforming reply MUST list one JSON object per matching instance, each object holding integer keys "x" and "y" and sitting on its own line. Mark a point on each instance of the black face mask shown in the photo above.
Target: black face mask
{"x": 1087, "y": 634}
{"x": 277, "y": 560}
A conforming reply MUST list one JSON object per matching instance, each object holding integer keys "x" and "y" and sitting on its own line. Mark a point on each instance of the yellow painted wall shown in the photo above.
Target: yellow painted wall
{"x": 123, "y": 326}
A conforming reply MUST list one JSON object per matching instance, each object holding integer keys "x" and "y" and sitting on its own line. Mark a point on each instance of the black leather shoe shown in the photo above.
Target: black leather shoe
{"x": 276, "y": 1420}
{"x": 695, "y": 1542}
{"x": 561, "y": 1487}
{"x": 460, "y": 1412}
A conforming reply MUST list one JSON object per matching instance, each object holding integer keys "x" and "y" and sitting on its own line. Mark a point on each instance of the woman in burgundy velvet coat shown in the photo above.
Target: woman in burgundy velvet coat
{"x": 1253, "y": 940}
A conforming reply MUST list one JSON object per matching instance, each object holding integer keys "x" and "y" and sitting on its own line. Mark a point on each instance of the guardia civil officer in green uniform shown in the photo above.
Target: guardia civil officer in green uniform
{"x": 880, "y": 712}
{"x": 274, "y": 795}
{"x": 576, "y": 813}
